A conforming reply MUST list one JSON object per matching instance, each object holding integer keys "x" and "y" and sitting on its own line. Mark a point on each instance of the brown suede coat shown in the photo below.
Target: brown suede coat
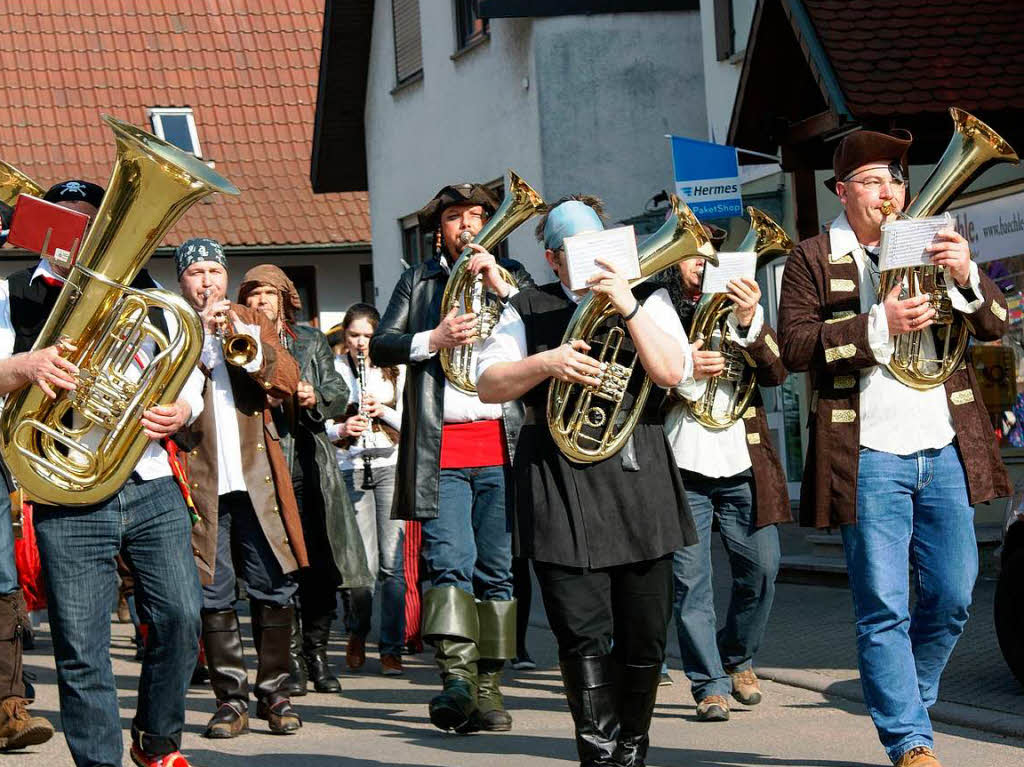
{"x": 267, "y": 477}
{"x": 823, "y": 332}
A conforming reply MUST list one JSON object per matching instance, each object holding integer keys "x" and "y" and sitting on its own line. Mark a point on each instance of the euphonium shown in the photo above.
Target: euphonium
{"x": 467, "y": 290}
{"x": 767, "y": 240}
{"x": 102, "y": 324}
{"x": 973, "y": 148}
{"x": 588, "y": 423}
{"x": 14, "y": 183}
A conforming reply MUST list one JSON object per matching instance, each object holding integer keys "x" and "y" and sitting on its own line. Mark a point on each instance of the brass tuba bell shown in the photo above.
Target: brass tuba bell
{"x": 14, "y": 183}
{"x": 467, "y": 290}
{"x": 767, "y": 240}
{"x": 102, "y": 324}
{"x": 973, "y": 148}
{"x": 588, "y": 423}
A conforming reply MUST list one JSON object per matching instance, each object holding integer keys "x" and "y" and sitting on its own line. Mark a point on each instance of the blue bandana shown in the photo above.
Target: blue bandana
{"x": 569, "y": 218}
{"x": 198, "y": 249}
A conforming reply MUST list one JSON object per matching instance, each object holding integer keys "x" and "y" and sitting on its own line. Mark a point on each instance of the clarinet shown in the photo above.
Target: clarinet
{"x": 367, "y": 467}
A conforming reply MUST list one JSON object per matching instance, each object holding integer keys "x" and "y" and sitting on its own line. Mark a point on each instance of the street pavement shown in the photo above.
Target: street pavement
{"x": 815, "y": 721}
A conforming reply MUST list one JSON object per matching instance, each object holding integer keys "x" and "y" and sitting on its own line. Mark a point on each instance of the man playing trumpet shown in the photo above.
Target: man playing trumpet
{"x": 897, "y": 469}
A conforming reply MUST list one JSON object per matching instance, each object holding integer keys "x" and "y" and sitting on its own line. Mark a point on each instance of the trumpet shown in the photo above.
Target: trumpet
{"x": 239, "y": 348}
{"x": 363, "y": 444}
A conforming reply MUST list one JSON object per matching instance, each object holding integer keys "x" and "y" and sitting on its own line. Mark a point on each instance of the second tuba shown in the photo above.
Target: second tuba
{"x": 467, "y": 290}
{"x": 592, "y": 423}
{"x": 80, "y": 448}
{"x": 767, "y": 240}
{"x": 973, "y": 148}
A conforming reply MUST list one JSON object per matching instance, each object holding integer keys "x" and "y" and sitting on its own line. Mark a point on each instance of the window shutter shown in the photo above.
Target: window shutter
{"x": 405, "y": 15}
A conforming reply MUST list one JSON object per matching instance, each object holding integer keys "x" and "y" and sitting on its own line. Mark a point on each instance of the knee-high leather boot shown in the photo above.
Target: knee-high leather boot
{"x": 222, "y": 639}
{"x": 450, "y": 621}
{"x": 497, "y": 619}
{"x": 298, "y": 673}
{"x": 637, "y": 695}
{"x": 591, "y": 688}
{"x": 275, "y": 631}
{"x": 316, "y": 631}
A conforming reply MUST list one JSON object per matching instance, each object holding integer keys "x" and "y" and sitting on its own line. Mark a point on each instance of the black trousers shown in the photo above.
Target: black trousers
{"x": 588, "y": 609}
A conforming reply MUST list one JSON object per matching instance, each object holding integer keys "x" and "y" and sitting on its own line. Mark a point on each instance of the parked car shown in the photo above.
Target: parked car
{"x": 1009, "y": 604}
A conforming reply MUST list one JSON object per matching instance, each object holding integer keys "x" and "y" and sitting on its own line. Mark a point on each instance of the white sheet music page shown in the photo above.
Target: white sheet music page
{"x": 616, "y": 246}
{"x": 731, "y": 266}
{"x": 904, "y": 241}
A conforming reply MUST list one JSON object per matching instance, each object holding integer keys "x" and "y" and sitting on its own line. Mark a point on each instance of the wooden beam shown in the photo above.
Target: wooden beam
{"x": 805, "y": 201}
{"x": 811, "y": 127}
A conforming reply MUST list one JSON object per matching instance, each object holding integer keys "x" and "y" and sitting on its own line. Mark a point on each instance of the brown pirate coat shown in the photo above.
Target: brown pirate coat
{"x": 823, "y": 331}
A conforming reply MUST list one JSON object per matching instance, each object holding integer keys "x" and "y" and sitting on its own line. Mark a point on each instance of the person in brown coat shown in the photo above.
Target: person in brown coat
{"x": 733, "y": 477}
{"x": 249, "y": 522}
{"x": 896, "y": 468}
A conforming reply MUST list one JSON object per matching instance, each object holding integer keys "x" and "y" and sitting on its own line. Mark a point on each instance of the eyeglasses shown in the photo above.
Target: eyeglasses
{"x": 875, "y": 184}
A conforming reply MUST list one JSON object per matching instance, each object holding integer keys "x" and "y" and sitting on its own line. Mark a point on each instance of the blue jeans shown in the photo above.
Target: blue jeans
{"x": 469, "y": 544}
{"x": 754, "y": 560}
{"x": 148, "y": 523}
{"x": 8, "y": 570}
{"x": 382, "y": 538}
{"x": 911, "y": 510}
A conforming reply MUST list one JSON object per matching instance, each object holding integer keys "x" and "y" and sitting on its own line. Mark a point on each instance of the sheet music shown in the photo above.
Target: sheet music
{"x": 731, "y": 266}
{"x": 904, "y": 241}
{"x": 616, "y": 246}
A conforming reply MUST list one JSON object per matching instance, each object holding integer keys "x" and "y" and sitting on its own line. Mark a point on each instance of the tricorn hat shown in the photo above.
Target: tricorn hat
{"x": 864, "y": 146}
{"x": 455, "y": 194}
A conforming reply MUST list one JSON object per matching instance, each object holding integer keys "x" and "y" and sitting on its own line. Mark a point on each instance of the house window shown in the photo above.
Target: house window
{"x": 367, "y": 294}
{"x": 405, "y": 19}
{"x": 469, "y": 27}
{"x": 176, "y": 126}
{"x": 733, "y": 19}
{"x": 304, "y": 279}
{"x": 417, "y": 245}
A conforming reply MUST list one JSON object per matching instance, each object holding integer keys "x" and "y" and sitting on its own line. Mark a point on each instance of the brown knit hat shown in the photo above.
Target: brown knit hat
{"x": 864, "y": 146}
{"x": 268, "y": 274}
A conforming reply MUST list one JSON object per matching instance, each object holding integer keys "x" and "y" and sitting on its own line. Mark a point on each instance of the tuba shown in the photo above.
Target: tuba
{"x": 14, "y": 183}
{"x": 767, "y": 240}
{"x": 589, "y": 423}
{"x": 973, "y": 148}
{"x": 464, "y": 289}
{"x": 81, "y": 447}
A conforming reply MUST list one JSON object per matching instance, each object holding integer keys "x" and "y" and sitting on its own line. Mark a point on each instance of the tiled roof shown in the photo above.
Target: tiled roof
{"x": 247, "y": 68}
{"x": 914, "y": 56}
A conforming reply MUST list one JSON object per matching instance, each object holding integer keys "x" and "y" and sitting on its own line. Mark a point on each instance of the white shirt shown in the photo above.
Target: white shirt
{"x": 229, "y": 448}
{"x": 508, "y": 341}
{"x": 153, "y": 463}
{"x": 895, "y": 418}
{"x": 711, "y": 452}
{"x": 384, "y": 452}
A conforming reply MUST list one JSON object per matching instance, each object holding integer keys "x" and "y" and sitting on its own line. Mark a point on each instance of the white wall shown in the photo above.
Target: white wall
{"x": 467, "y": 120}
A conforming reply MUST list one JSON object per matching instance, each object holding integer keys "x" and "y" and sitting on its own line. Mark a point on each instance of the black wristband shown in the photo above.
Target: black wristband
{"x": 632, "y": 314}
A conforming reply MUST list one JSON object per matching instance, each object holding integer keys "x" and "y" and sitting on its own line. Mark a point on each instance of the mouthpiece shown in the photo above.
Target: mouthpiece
{"x": 888, "y": 208}
{"x": 465, "y": 238}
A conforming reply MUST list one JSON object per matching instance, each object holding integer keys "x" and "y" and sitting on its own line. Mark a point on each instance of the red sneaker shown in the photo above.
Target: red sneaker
{"x": 173, "y": 759}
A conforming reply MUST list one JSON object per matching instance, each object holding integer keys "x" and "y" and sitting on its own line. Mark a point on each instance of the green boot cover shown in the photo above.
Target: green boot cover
{"x": 497, "y": 620}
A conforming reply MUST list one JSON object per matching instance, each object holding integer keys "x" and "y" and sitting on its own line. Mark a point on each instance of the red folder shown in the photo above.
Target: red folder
{"x": 48, "y": 229}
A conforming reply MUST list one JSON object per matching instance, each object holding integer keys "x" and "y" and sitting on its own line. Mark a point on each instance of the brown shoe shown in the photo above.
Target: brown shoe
{"x": 391, "y": 665}
{"x": 714, "y": 708}
{"x": 278, "y": 711}
{"x": 355, "y": 653}
{"x": 230, "y": 720}
{"x": 745, "y": 687}
{"x": 18, "y": 728}
{"x": 922, "y": 756}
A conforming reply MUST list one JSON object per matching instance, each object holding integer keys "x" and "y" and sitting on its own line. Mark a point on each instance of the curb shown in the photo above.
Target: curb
{"x": 986, "y": 720}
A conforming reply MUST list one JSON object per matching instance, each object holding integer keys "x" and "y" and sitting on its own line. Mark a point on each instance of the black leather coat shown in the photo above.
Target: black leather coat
{"x": 327, "y": 512}
{"x": 416, "y": 306}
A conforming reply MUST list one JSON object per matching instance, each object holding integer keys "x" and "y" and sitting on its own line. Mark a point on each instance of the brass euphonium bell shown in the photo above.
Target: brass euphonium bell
{"x": 103, "y": 325}
{"x": 973, "y": 148}
{"x": 588, "y": 422}
{"x": 467, "y": 290}
{"x": 767, "y": 240}
{"x": 14, "y": 183}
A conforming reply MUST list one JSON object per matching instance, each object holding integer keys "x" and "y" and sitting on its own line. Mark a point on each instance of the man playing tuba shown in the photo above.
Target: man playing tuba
{"x": 452, "y": 462}
{"x": 601, "y": 534}
{"x": 733, "y": 477}
{"x": 896, "y": 468}
{"x": 146, "y": 520}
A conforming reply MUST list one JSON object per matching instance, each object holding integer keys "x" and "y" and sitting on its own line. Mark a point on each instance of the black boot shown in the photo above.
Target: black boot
{"x": 222, "y": 639}
{"x": 316, "y": 631}
{"x": 298, "y": 674}
{"x": 273, "y": 704}
{"x": 450, "y": 621}
{"x": 637, "y": 695}
{"x": 591, "y": 688}
{"x": 497, "y": 619}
